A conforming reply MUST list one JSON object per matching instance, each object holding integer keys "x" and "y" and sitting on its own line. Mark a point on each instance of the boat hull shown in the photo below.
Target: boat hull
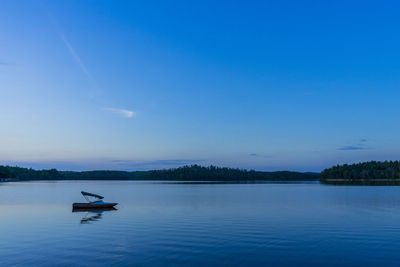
{"x": 90, "y": 206}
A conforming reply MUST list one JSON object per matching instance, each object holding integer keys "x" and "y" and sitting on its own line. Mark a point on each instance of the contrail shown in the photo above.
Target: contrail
{"x": 76, "y": 57}
{"x": 95, "y": 90}
{"x": 68, "y": 45}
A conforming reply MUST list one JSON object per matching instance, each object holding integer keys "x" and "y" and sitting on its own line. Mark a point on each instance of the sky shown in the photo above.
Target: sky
{"x": 136, "y": 85}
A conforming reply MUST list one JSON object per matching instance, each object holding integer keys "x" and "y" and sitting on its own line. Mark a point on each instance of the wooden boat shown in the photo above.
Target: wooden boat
{"x": 98, "y": 203}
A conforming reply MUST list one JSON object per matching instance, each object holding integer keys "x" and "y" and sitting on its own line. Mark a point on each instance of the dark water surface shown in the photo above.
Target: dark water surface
{"x": 200, "y": 224}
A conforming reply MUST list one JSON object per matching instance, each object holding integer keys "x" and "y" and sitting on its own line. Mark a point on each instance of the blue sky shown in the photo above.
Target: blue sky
{"x": 268, "y": 85}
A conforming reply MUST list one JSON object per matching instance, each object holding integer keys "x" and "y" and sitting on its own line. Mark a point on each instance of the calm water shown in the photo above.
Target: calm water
{"x": 200, "y": 224}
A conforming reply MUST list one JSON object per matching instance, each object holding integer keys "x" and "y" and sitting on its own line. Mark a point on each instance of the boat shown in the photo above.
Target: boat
{"x": 96, "y": 204}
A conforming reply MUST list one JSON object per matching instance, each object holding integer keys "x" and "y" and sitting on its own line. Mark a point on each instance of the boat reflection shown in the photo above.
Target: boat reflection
{"x": 92, "y": 215}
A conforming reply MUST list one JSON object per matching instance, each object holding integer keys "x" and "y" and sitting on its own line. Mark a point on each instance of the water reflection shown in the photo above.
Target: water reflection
{"x": 88, "y": 219}
{"x": 200, "y": 225}
{"x": 92, "y": 215}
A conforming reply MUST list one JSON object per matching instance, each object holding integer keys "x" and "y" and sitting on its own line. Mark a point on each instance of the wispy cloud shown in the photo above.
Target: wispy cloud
{"x": 360, "y": 145}
{"x": 174, "y": 162}
{"x": 126, "y": 164}
{"x": 160, "y": 164}
{"x": 351, "y": 148}
{"x": 105, "y": 164}
{"x": 260, "y": 155}
{"x": 122, "y": 112}
{"x": 3, "y": 63}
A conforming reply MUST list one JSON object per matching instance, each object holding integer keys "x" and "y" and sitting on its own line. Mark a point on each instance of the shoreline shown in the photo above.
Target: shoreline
{"x": 190, "y": 181}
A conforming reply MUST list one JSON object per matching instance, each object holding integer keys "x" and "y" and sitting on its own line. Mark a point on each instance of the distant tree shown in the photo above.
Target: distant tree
{"x": 4, "y": 172}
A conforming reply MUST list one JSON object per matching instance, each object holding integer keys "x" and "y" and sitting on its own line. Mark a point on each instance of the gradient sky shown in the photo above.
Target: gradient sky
{"x": 268, "y": 85}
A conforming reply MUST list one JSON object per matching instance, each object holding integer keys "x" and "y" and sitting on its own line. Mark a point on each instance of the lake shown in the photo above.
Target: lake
{"x": 195, "y": 224}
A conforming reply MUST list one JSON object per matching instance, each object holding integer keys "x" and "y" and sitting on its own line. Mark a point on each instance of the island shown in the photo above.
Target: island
{"x": 185, "y": 173}
{"x": 365, "y": 173}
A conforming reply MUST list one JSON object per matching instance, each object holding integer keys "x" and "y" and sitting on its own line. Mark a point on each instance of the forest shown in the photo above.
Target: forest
{"x": 185, "y": 173}
{"x": 365, "y": 173}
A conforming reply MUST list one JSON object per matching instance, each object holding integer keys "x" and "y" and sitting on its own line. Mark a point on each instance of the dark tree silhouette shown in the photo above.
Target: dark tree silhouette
{"x": 185, "y": 173}
{"x": 369, "y": 173}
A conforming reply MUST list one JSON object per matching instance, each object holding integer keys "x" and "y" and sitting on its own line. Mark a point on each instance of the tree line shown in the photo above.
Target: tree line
{"x": 372, "y": 172}
{"x": 188, "y": 173}
{"x": 29, "y": 173}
